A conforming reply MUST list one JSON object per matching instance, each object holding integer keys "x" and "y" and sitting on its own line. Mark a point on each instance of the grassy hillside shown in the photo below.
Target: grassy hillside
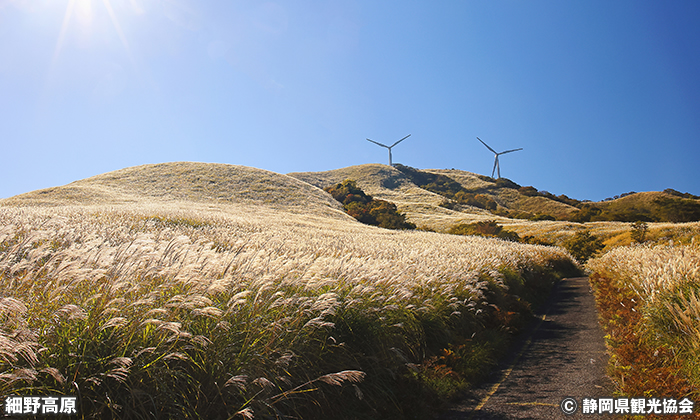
{"x": 184, "y": 181}
{"x": 427, "y": 198}
{"x": 650, "y": 206}
{"x": 215, "y": 291}
{"x": 421, "y": 206}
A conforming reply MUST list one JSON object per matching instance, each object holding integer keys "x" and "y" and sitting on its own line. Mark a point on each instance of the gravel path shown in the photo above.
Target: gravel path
{"x": 561, "y": 355}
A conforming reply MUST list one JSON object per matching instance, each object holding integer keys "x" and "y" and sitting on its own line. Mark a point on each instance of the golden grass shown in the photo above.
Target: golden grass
{"x": 235, "y": 294}
{"x": 422, "y": 207}
{"x": 663, "y": 285}
{"x": 651, "y": 270}
{"x": 209, "y": 183}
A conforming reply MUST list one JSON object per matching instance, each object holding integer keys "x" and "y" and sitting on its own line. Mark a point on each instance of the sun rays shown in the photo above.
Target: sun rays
{"x": 81, "y": 13}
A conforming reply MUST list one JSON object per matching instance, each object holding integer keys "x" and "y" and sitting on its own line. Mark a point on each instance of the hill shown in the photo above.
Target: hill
{"x": 189, "y": 290}
{"x": 206, "y": 183}
{"x": 652, "y": 206}
{"x": 438, "y": 199}
{"x": 432, "y": 199}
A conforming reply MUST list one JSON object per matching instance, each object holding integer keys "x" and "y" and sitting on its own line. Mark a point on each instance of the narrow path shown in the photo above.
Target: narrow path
{"x": 561, "y": 355}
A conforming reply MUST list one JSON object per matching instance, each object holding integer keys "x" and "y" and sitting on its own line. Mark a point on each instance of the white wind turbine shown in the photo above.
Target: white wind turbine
{"x": 389, "y": 147}
{"x": 496, "y": 165}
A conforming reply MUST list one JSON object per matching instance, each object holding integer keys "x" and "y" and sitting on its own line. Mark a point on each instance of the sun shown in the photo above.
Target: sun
{"x": 81, "y": 13}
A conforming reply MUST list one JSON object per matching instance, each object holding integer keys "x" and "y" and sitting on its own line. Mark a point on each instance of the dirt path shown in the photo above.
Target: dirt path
{"x": 561, "y": 355}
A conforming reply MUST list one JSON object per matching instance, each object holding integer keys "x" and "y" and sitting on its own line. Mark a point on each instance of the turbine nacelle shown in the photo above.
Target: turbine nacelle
{"x": 496, "y": 164}
{"x": 389, "y": 147}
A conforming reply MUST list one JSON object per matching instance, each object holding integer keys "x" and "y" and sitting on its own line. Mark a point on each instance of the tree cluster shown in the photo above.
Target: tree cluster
{"x": 583, "y": 245}
{"x": 662, "y": 209}
{"x": 487, "y": 228}
{"x": 366, "y": 209}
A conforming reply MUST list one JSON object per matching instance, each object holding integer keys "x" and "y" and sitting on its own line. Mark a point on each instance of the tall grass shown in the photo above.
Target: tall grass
{"x": 649, "y": 298}
{"x": 159, "y": 312}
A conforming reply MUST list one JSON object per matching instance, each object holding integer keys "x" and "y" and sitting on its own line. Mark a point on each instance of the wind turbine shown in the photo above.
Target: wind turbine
{"x": 389, "y": 147}
{"x": 496, "y": 165}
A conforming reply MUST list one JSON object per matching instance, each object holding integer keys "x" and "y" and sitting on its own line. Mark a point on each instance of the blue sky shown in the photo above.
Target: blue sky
{"x": 604, "y": 97}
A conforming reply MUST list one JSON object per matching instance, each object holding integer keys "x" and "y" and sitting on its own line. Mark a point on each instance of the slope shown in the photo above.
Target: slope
{"x": 206, "y": 183}
{"x": 433, "y": 209}
{"x": 384, "y": 182}
{"x": 666, "y": 206}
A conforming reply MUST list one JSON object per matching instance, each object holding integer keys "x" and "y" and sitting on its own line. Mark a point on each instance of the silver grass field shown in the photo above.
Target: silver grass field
{"x": 175, "y": 310}
{"x": 664, "y": 281}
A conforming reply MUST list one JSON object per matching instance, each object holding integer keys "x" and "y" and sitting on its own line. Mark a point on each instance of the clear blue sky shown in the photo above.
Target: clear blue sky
{"x": 604, "y": 96}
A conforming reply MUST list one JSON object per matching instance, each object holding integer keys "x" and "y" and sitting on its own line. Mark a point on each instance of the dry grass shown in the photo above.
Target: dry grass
{"x": 661, "y": 285}
{"x": 423, "y": 207}
{"x": 651, "y": 271}
{"x": 236, "y": 297}
{"x": 162, "y": 288}
{"x": 209, "y": 183}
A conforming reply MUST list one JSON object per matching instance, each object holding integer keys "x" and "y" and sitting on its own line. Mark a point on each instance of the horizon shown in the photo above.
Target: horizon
{"x": 603, "y": 98}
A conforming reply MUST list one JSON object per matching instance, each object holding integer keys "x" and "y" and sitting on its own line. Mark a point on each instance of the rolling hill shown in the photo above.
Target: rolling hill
{"x": 433, "y": 199}
{"x": 207, "y": 184}
{"x": 430, "y": 198}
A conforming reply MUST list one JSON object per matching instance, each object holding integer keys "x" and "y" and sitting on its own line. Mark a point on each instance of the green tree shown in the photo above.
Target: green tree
{"x": 366, "y": 209}
{"x": 583, "y": 245}
{"x": 487, "y": 228}
{"x": 639, "y": 231}
{"x": 347, "y": 192}
{"x": 585, "y": 214}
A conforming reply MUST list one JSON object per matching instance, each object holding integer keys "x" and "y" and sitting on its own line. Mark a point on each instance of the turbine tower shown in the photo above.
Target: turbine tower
{"x": 389, "y": 147}
{"x": 496, "y": 165}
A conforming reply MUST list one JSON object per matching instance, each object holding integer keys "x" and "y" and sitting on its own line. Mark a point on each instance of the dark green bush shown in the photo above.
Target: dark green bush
{"x": 487, "y": 228}
{"x": 366, "y": 209}
{"x": 583, "y": 245}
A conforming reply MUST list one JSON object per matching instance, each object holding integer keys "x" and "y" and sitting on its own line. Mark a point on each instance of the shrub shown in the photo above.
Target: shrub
{"x": 347, "y": 192}
{"x": 583, "y": 245}
{"x": 678, "y": 209}
{"x": 366, "y": 209}
{"x": 506, "y": 183}
{"x": 639, "y": 231}
{"x": 528, "y": 191}
{"x": 539, "y": 216}
{"x": 485, "y": 228}
{"x": 585, "y": 214}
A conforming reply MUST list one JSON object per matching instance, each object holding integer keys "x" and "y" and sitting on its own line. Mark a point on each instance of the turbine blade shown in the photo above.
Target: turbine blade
{"x": 487, "y": 146}
{"x": 495, "y": 164}
{"x": 400, "y": 140}
{"x": 508, "y": 151}
{"x": 379, "y": 144}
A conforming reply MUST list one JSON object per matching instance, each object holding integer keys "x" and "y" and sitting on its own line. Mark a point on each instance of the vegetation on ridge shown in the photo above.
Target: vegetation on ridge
{"x": 446, "y": 186}
{"x": 488, "y": 228}
{"x": 366, "y": 209}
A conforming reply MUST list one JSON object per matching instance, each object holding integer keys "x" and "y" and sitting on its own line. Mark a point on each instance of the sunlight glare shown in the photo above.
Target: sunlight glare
{"x": 83, "y": 12}
{"x": 117, "y": 27}
{"x": 62, "y": 34}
